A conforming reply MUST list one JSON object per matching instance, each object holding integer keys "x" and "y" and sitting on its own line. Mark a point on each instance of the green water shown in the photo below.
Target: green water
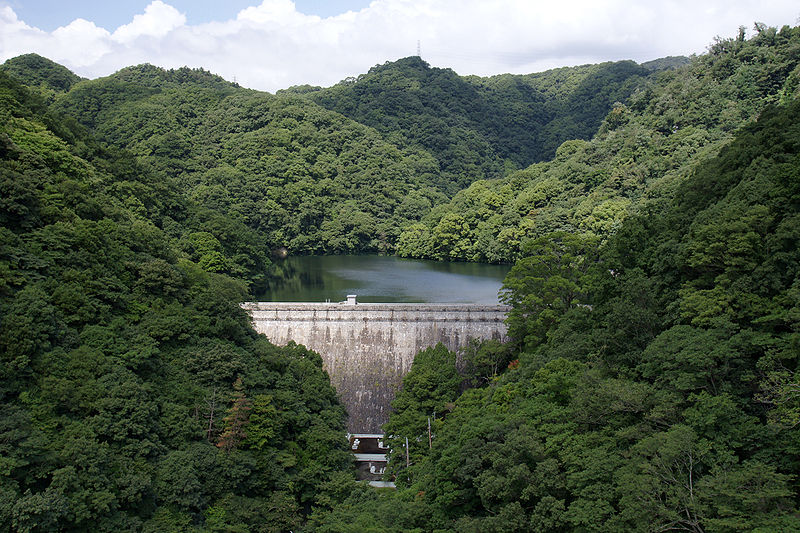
{"x": 386, "y": 279}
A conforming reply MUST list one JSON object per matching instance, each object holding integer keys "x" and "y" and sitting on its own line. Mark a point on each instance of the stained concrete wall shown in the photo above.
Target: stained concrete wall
{"x": 368, "y": 348}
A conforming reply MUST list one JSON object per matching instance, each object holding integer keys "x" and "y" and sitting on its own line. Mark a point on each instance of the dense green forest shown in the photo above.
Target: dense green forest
{"x": 652, "y": 212}
{"x": 310, "y": 179}
{"x": 647, "y": 144}
{"x": 127, "y": 368}
{"x": 652, "y": 383}
{"x": 481, "y": 127}
{"x": 303, "y": 177}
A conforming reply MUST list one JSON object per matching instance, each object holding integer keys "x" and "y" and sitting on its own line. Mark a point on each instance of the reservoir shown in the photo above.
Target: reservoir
{"x": 385, "y": 279}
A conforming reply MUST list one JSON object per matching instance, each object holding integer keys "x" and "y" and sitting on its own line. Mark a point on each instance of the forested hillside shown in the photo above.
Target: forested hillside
{"x": 652, "y": 384}
{"x": 646, "y": 146}
{"x": 302, "y": 177}
{"x": 480, "y": 127}
{"x": 127, "y": 369}
{"x": 40, "y": 74}
{"x": 309, "y": 179}
{"x": 651, "y": 380}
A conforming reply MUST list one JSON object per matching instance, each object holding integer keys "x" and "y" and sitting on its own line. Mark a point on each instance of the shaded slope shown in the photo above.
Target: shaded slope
{"x": 478, "y": 127}
{"x": 302, "y": 176}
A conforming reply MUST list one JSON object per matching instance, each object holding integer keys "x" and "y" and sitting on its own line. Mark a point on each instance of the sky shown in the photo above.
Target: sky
{"x": 274, "y": 44}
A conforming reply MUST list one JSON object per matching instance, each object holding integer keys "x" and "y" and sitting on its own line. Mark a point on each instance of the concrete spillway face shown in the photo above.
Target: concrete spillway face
{"x": 368, "y": 348}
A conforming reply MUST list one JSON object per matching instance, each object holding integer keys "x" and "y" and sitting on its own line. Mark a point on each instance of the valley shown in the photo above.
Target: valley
{"x": 642, "y": 222}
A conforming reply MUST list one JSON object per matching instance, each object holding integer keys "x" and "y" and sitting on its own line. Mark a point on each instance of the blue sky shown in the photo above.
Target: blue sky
{"x": 274, "y": 44}
{"x": 110, "y": 14}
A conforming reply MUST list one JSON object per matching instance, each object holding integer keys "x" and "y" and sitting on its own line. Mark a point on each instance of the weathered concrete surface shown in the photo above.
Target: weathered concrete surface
{"x": 368, "y": 348}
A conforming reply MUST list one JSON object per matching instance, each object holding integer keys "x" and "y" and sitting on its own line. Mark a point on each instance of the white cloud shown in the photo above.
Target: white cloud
{"x": 15, "y": 36}
{"x": 279, "y": 13}
{"x": 271, "y": 45}
{"x": 79, "y": 44}
{"x": 157, "y": 21}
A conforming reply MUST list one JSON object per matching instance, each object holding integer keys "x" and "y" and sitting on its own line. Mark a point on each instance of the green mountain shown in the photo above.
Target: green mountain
{"x": 312, "y": 181}
{"x": 303, "y": 177}
{"x": 646, "y": 146}
{"x": 480, "y": 127}
{"x": 36, "y": 71}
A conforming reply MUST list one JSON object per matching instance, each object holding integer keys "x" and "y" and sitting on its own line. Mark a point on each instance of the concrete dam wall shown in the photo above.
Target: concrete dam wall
{"x": 368, "y": 348}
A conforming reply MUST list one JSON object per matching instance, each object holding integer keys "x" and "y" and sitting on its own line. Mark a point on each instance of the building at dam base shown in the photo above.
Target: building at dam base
{"x": 368, "y": 348}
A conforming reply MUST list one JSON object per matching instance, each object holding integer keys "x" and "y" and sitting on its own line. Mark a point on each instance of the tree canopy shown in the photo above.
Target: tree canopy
{"x": 127, "y": 369}
{"x": 656, "y": 381}
{"x": 647, "y": 144}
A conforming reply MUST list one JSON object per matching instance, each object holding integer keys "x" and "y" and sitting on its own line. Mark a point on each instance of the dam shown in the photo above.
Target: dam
{"x": 367, "y": 348}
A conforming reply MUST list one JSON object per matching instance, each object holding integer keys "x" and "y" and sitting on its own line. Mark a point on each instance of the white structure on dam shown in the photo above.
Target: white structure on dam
{"x": 368, "y": 348}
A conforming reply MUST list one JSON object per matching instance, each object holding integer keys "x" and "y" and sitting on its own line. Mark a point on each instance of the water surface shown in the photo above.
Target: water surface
{"x": 386, "y": 279}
